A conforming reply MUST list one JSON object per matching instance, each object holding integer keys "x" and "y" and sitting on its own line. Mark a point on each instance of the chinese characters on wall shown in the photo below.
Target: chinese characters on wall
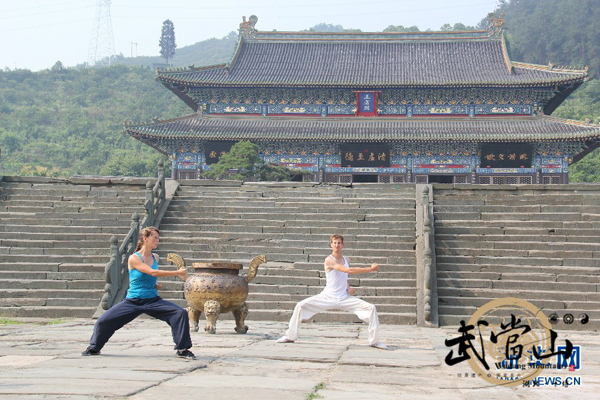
{"x": 365, "y": 155}
{"x": 512, "y": 155}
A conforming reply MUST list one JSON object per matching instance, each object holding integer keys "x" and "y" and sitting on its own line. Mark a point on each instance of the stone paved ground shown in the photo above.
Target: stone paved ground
{"x": 330, "y": 361}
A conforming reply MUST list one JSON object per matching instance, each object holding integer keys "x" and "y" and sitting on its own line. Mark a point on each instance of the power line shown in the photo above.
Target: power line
{"x": 49, "y": 12}
{"x": 61, "y": 23}
{"x": 47, "y": 5}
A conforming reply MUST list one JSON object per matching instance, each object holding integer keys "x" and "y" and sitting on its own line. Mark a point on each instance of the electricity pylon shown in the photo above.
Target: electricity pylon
{"x": 102, "y": 44}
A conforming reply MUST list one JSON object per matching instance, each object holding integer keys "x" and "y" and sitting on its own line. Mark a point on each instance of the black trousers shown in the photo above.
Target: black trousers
{"x": 126, "y": 311}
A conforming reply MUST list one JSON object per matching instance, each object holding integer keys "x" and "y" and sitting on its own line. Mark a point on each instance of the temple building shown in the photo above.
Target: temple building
{"x": 422, "y": 107}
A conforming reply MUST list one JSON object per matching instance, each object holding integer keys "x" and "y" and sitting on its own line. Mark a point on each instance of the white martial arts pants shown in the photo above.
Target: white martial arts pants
{"x": 323, "y": 302}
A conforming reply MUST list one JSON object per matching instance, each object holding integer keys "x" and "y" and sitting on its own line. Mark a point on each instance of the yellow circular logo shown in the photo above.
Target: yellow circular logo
{"x": 508, "y": 334}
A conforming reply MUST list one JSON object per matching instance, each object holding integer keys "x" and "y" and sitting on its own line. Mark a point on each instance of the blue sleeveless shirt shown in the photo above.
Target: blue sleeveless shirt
{"x": 141, "y": 285}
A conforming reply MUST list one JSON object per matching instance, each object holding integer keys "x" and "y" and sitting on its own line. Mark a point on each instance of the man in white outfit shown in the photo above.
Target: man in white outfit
{"x": 337, "y": 294}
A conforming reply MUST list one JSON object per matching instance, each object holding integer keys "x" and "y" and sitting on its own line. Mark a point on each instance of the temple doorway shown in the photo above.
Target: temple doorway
{"x": 441, "y": 179}
{"x": 365, "y": 178}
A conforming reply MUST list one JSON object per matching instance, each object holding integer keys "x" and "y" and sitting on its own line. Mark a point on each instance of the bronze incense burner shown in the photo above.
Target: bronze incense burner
{"x": 216, "y": 288}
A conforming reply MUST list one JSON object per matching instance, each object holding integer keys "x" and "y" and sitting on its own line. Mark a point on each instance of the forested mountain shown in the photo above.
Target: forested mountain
{"x": 69, "y": 121}
{"x": 561, "y": 32}
{"x": 62, "y": 122}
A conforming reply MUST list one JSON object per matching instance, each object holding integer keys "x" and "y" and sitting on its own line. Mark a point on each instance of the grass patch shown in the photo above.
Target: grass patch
{"x": 314, "y": 395}
{"x": 8, "y": 321}
{"x": 55, "y": 321}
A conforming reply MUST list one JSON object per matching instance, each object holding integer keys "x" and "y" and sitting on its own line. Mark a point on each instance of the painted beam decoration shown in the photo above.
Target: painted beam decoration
{"x": 442, "y": 165}
{"x": 307, "y": 163}
{"x": 187, "y": 161}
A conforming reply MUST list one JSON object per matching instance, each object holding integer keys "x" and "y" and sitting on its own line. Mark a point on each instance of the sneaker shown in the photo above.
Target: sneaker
{"x": 90, "y": 352}
{"x": 284, "y": 339}
{"x": 188, "y": 355}
{"x": 379, "y": 345}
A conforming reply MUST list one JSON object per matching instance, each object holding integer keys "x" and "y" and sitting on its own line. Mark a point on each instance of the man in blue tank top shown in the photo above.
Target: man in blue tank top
{"x": 337, "y": 295}
{"x": 142, "y": 298}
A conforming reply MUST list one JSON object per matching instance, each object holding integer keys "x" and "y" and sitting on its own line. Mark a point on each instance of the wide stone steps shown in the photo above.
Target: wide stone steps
{"x": 501, "y": 252}
{"x": 93, "y": 242}
{"x": 314, "y": 220}
{"x": 358, "y": 241}
{"x": 256, "y": 207}
{"x": 514, "y": 216}
{"x": 532, "y": 284}
{"x": 208, "y": 255}
{"x": 540, "y": 237}
{"x": 291, "y": 226}
{"x": 55, "y": 239}
{"x": 508, "y": 222}
{"x": 447, "y": 228}
{"x": 58, "y": 236}
{"x": 517, "y": 209}
{"x": 57, "y": 229}
{"x": 223, "y": 242}
{"x": 531, "y": 242}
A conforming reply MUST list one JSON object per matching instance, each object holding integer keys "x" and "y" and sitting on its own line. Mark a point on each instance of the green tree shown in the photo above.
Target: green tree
{"x": 244, "y": 163}
{"x": 126, "y": 163}
{"x": 58, "y": 66}
{"x": 456, "y": 27}
{"x": 167, "y": 40}
{"x": 276, "y": 173}
{"x": 400, "y": 28}
{"x": 323, "y": 27}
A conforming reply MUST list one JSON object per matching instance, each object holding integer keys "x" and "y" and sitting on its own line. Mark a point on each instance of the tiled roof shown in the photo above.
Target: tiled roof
{"x": 373, "y": 61}
{"x": 376, "y": 129}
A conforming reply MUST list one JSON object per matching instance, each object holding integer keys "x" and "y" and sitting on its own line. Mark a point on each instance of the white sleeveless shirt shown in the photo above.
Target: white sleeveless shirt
{"x": 337, "y": 281}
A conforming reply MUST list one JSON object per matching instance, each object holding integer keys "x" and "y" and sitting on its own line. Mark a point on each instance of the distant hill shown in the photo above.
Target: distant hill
{"x": 207, "y": 52}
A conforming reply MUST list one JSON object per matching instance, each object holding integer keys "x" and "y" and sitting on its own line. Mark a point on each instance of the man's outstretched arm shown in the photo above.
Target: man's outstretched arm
{"x": 331, "y": 264}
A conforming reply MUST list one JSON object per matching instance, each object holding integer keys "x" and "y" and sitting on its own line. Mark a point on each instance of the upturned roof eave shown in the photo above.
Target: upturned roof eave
{"x": 141, "y": 131}
{"x": 254, "y": 84}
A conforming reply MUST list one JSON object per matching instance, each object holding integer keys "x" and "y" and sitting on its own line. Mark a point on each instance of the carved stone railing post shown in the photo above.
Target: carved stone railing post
{"x": 135, "y": 227}
{"x": 427, "y": 314}
{"x": 161, "y": 180}
{"x": 149, "y": 206}
{"x": 110, "y": 271}
{"x": 116, "y": 274}
{"x": 427, "y": 259}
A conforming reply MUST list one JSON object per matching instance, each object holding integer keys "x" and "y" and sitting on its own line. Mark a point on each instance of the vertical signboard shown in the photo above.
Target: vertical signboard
{"x": 367, "y": 104}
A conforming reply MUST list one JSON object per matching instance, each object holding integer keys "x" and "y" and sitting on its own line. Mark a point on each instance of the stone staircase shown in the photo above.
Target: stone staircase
{"x": 291, "y": 223}
{"x": 55, "y": 239}
{"x": 538, "y": 243}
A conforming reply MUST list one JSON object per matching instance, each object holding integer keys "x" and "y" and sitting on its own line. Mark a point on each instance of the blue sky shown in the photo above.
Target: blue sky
{"x": 34, "y": 34}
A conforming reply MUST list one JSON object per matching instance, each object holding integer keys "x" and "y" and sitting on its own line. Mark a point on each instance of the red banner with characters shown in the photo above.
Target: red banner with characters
{"x": 366, "y": 104}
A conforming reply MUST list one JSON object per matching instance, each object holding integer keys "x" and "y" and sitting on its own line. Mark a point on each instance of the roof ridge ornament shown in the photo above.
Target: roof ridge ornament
{"x": 496, "y": 24}
{"x": 247, "y": 27}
